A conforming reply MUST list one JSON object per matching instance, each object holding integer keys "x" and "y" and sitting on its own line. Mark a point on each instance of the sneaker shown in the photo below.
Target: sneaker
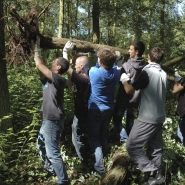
{"x": 123, "y": 140}
{"x": 155, "y": 178}
{"x": 99, "y": 169}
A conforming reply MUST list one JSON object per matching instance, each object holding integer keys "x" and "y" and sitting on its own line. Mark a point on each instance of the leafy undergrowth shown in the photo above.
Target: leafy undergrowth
{"x": 20, "y": 162}
{"x": 19, "y": 158}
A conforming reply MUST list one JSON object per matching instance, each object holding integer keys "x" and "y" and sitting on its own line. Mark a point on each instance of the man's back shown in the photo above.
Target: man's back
{"x": 81, "y": 92}
{"x": 103, "y": 83}
{"x": 154, "y": 95}
{"x": 53, "y": 93}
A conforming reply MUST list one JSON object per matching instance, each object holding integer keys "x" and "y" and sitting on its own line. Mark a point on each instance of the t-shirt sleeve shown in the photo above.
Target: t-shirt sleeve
{"x": 44, "y": 81}
{"x": 58, "y": 81}
{"x": 142, "y": 81}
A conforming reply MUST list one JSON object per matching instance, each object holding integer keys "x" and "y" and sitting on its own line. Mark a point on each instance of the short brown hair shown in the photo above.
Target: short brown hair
{"x": 107, "y": 57}
{"x": 156, "y": 54}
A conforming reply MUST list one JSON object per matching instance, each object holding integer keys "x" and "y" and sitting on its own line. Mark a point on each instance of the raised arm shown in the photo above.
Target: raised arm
{"x": 68, "y": 48}
{"x": 44, "y": 71}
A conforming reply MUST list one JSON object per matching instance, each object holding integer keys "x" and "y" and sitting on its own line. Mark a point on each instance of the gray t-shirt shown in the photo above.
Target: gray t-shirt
{"x": 153, "y": 84}
{"x": 53, "y": 97}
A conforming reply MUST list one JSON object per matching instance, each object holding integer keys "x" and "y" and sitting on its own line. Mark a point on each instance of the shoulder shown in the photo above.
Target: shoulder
{"x": 57, "y": 79}
{"x": 80, "y": 77}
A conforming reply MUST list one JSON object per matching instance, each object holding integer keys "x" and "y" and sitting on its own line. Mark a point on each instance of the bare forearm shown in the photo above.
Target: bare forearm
{"x": 69, "y": 74}
{"x": 129, "y": 89}
{"x": 44, "y": 71}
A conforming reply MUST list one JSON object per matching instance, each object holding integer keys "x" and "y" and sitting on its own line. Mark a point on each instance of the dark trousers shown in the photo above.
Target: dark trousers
{"x": 181, "y": 130}
{"x": 98, "y": 131}
{"x": 149, "y": 135}
{"x": 119, "y": 112}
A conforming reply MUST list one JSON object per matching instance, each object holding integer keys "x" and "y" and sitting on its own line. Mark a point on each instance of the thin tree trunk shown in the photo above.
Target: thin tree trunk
{"x": 95, "y": 17}
{"x": 76, "y": 17}
{"x": 61, "y": 11}
{"x": 162, "y": 21}
{"x": 111, "y": 23}
{"x": 138, "y": 29}
{"x": 5, "y": 123}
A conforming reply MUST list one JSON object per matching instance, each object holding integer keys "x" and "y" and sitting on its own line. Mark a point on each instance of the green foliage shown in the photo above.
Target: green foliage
{"x": 19, "y": 158}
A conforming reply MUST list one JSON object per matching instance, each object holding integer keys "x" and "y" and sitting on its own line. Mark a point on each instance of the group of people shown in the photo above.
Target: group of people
{"x": 140, "y": 85}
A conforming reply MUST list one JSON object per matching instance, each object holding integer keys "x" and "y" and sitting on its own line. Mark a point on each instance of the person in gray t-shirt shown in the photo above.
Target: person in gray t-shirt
{"x": 53, "y": 117}
{"x": 147, "y": 130}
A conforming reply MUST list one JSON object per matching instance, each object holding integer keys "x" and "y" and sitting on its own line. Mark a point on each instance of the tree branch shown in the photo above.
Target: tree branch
{"x": 174, "y": 61}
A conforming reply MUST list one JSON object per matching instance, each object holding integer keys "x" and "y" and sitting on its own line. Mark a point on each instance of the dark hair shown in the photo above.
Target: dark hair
{"x": 63, "y": 63}
{"x": 107, "y": 57}
{"x": 156, "y": 54}
{"x": 140, "y": 46}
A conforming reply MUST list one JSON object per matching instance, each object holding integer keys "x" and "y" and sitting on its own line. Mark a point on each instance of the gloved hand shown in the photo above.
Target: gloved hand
{"x": 125, "y": 77}
{"x": 177, "y": 77}
{"x": 68, "y": 46}
{"x": 36, "y": 47}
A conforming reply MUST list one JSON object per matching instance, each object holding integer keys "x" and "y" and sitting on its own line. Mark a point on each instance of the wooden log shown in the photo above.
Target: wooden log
{"x": 118, "y": 170}
{"x": 81, "y": 45}
{"x": 174, "y": 61}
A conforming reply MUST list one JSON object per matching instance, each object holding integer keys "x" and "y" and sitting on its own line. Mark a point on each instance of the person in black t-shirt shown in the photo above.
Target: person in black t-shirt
{"x": 81, "y": 84}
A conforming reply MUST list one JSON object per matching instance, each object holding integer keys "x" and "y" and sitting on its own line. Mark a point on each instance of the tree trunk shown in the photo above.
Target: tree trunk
{"x": 61, "y": 11}
{"x": 5, "y": 122}
{"x": 138, "y": 25}
{"x": 174, "y": 61}
{"x": 83, "y": 46}
{"x": 162, "y": 25}
{"x": 95, "y": 19}
{"x": 111, "y": 23}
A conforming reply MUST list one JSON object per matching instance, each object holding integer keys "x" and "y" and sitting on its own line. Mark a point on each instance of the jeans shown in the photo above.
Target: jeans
{"x": 149, "y": 135}
{"x": 118, "y": 115}
{"x": 78, "y": 137}
{"x": 48, "y": 145}
{"x": 98, "y": 130}
{"x": 181, "y": 130}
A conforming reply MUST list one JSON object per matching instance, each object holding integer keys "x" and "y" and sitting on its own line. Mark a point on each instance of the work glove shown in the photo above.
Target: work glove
{"x": 68, "y": 47}
{"x": 177, "y": 77}
{"x": 36, "y": 47}
{"x": 125, "y": 77}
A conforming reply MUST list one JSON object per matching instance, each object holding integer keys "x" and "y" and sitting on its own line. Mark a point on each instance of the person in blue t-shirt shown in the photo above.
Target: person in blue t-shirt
{"x": 103, "y": 78}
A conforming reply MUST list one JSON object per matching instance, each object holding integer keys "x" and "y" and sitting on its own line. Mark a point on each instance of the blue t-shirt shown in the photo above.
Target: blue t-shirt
{"x": 103, "y": 83}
